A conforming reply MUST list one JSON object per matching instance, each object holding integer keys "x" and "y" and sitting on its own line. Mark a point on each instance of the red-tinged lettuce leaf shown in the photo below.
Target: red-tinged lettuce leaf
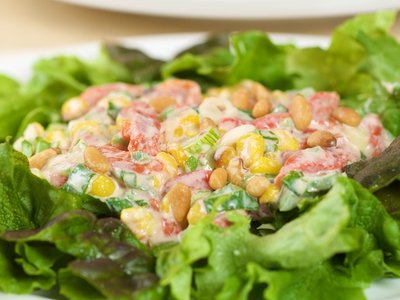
{"x": 378, "y": 172}
{"x": 343, "y": 243}
{"x": 103, "y": 256}
{"x": 27, "y": 201}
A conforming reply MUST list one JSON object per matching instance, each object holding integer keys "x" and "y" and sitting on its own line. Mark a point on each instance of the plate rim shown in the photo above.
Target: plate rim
{"x": 239, "y": 9}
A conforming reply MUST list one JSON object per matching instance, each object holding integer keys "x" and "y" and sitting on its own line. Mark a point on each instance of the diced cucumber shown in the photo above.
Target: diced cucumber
{"x": 230, "y": 197}
{"x": 298, "y": 189}
{"x": 191, "y": 164}
{"x": 203, "y": 143}
{"x": 279, "y": 109}
{"x": 41, "y": 145}
{"x": 113, "y": 110}
{"x": 78, "y": 179}
{"x": 118, "y": 204}
{"x": 26, "y": 148}
{"x": 140, "y": 157}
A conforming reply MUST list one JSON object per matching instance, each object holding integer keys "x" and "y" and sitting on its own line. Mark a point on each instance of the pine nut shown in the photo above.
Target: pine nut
{"x": 179, "y": 197}
{"x": 39, "y": 160}
{"x": 321, "y": 138}
{"x": 207, "y": 123}
{"x": 261, "y": 92}
{"x": 257, "y": 186}
{"x": 227, "y": 155}
{"x": 261, "y": 108}
{"x": 235, "y": 171}
{"x": 161, "y": 103}
{"x": 241, "y": 98}
{"x": 301, "y": 112}
{"x": 218, "y": 178}
{"x": 96, "y": 161}
{"x": 347, "y": 116}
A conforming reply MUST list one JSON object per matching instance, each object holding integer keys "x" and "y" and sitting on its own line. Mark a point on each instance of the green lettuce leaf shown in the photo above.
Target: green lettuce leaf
{"x": 27, "y": 201}
{"x": 354, "y": 246}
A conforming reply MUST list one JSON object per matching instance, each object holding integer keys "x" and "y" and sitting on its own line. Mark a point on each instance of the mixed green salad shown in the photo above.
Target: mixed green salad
{"x": 240, "y": 169}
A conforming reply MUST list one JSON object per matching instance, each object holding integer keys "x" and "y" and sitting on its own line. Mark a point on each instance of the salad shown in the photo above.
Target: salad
{"x": 240, "y": 169}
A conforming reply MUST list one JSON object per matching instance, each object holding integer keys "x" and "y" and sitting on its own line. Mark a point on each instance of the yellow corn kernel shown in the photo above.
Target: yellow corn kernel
{"x": 250, "y": 147}
{"x": 196, "y": 213}
{"x": 55, "y": 136}
{"x": 113, "y": 129}
{"x": 270, "y": 195}
{"x": 191, "y": 119}
{"x": 286, "y": 141}
{"x": 178, "y": 131}
{"x": 178, "y": 153}
{"x": 140, "y": 221}
{"x": 169, "y": 162}
{"x": 191, "y": 133}
{"x": 268, "y": 164}
{"x": 87, "y": 125}
{"x": 74, "y": 108}
{"x": 165, "y": 205}
{"x": 33, "y": 130}
{"x": 119, "y": 121}
{"x": 102, "y": 186}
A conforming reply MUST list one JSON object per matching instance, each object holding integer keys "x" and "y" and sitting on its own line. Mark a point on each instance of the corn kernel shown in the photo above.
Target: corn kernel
{"x": 55, "y": 136}
{"x": 250, "y": 147}
{"x": 178, "y": 153}
{"x": 286, "y": 141}
{"x": 196, "y": 213}
{"x": 140, "y": 221}
{"x": 165, "y": 205}
{"x": 270, "y": 195}
{"x": 178, "y": 131}
{"x": 169, "y": 162}
{"x": 191, "y": 119}
{"x": 73, "y": 108}
{"x": 102, "y": 186}
{"x": 191, "y": 133}
{"x": 33, "y": 130}
{"x": 268, "y": 164}
{"x": 87, "y": 125}
{"x": 119, "y": 121}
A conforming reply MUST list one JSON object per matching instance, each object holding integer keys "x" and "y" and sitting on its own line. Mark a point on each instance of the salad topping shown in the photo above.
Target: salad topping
{"x": 164, "y": 157}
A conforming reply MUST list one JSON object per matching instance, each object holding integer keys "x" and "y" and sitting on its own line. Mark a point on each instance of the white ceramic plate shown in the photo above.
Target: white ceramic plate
{"x": 242, "y": 9}
{"x": 164, "y": 47}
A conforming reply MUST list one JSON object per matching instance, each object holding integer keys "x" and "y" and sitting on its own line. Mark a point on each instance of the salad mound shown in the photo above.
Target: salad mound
{"x": 164, "y": 157}
{"x": 240, "y": 169}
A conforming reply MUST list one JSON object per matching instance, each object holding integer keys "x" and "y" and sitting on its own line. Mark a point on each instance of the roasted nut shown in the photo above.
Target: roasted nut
{"x": 257, "y": 186}
{"x": 347, "y": 116}
{"x": 96, "y": 161}
{"x": 38, "y": 160}
{"x": 261, "y": 108}
{"x": 260, "y": 92}
{"x": 206, "y": 123}
{"x": 235, "y": 171}
{"x": 241, "y": 98}
{"x": 227, "y": 155}
{"x": 301, "y": 112}
{"x": 179, "y": 197}
{"x": 321, "y": 138}
{"x": 218, "y": 178}
{"x": 161, "y": 103}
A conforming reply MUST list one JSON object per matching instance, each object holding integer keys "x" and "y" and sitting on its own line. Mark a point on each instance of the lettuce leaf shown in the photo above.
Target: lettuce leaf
{"x": 26, "y": 201}
{"x": 344, "y": 252}
{"x": 101, "y": 255}
{"x": 253, "y": 56}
